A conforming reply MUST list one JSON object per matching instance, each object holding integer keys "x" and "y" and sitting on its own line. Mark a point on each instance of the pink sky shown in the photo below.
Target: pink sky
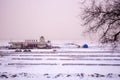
{"x": 29, "y": 19}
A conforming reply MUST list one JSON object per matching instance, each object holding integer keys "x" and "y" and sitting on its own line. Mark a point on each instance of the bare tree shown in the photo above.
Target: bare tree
{"x": 105, "y": 17}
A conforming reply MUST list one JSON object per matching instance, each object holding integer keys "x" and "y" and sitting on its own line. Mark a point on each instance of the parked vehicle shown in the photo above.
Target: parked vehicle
{"x": 18, "y": 50}
{"x": 27, "y": 50}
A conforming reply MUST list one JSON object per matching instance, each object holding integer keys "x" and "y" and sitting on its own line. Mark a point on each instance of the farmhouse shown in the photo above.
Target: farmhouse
{"x": 31, "y": 44}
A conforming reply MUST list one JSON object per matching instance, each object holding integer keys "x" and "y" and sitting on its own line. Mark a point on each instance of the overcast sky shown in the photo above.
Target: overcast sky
{"x": 29, "y": 19}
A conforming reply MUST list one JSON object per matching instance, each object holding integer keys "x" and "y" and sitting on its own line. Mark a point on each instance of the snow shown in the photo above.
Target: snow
{"x": 65, "y": 63}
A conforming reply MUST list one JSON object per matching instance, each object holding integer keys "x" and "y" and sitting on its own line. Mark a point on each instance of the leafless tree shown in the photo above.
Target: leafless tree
{"x": 105, "y": 17}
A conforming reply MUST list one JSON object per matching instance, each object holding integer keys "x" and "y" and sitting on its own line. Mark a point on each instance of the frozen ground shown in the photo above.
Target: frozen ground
{"x": 66, "y": 63}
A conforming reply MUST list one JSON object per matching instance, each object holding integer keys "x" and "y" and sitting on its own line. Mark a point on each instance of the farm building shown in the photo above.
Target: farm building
{"x": 31, "y": 44}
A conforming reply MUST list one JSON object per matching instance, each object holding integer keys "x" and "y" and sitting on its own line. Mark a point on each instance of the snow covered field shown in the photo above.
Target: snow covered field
{"x": 66, "y": 63}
